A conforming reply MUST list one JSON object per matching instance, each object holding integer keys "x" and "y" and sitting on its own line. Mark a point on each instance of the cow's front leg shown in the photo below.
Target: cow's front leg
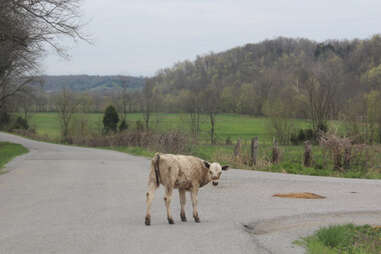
{"x": 194, "y": 195}
{"x": 167, "y": 200}
{"x": 182, "y": 203}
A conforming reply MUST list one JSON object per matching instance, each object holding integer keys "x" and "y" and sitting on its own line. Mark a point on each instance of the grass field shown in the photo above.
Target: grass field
{"x": 344, "y": 239}
{"x": 228, "y": 125}
{"x": 8, "y": 151}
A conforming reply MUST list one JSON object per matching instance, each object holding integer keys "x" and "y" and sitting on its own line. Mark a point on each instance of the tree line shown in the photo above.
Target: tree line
{"x": 282, "y": 78}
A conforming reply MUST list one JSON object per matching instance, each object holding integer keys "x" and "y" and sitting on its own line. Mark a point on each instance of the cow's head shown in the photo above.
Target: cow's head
{"x": 215, "y": 171}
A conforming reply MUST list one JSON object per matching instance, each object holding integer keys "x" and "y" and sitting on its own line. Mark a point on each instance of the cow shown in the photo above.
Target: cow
{"x": 185, "y": 173}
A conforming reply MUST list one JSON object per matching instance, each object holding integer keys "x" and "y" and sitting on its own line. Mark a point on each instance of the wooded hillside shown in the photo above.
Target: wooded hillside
{"x": 83, "y": 83}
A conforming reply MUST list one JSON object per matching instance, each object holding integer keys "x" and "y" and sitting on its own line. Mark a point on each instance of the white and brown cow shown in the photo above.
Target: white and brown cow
{"x": 186, "y": 173}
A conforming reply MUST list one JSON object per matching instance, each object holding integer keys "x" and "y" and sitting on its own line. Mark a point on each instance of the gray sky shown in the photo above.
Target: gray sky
{"x": 138, "y": 37}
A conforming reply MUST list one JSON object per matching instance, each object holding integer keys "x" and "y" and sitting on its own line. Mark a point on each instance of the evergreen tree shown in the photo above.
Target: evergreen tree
{"x": 110, "y": 120}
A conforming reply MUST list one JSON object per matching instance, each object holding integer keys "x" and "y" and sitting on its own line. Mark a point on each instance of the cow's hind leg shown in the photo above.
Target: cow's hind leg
{"x": 150, "y": 195}
{"x": 194, "y": 195}
{"x": 182, "y": 203}
{"x": 167, "y": 200}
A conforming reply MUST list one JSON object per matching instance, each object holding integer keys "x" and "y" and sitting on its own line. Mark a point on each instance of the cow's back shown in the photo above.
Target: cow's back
{"x": 181, "y": 171}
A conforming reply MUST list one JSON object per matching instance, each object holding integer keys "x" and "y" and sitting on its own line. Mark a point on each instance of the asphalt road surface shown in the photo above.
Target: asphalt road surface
{"x": 64, "y": 199}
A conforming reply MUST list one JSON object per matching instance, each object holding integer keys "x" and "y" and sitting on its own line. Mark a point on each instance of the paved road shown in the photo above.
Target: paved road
{"x": 61, "y": 199}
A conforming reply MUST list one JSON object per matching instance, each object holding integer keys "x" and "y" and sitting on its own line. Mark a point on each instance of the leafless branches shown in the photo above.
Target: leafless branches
{"x": 26, "y": 27}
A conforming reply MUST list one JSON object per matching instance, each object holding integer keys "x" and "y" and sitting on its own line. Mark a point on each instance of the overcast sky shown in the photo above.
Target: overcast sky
{"x": 138, "y": 37}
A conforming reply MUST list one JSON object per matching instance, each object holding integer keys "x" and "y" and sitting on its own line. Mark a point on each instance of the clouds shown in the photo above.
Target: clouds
{"x": 139, "y": 37}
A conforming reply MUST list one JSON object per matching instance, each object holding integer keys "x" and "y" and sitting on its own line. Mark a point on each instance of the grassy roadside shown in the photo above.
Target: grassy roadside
{"x": 8, "y": 151}
{"x": 344, "y": 239}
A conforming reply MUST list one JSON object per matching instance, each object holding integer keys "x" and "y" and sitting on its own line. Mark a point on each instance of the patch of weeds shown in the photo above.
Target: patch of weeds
{"x": 344, "y": 239}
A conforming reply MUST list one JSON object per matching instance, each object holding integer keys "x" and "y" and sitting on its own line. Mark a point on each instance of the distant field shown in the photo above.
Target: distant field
{"x": 228, "y": 125}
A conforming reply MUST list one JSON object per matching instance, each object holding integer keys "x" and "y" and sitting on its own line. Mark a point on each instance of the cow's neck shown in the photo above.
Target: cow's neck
{"x": 204, "y": 180}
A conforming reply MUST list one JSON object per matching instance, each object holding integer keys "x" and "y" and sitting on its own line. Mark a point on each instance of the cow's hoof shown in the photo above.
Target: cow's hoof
{"x": 196, "y": 219}
{"x": 170, "y": 221}
{"x": 183, "y": 217}
{"x": 148, "y": 221}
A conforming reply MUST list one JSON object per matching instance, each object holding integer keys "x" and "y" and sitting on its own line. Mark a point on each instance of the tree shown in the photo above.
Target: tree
{"x": 25, "y": 28}
{"x": 320, "y": 86}
{"x": 148, "y": 101}
{"x": 211, "y": 102}
{"x": 110, "y": 119}
{"x": 66, "y": 105}
{"x": 123, "y": 125}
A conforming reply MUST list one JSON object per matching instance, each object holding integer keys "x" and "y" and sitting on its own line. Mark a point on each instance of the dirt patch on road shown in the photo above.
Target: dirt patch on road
{"x": 303, "y": 195}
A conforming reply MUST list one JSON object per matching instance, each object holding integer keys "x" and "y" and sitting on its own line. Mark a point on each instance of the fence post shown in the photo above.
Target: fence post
{"x": 254, "y": 148}
{"x": 307, "y": 154}
{"x": 275, "y": 157}
{"x": 347, "y": 157}
{"x": 237, "y": 149}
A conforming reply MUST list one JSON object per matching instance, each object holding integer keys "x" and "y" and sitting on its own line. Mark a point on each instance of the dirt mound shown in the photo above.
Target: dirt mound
{"x": 303, "y": 195}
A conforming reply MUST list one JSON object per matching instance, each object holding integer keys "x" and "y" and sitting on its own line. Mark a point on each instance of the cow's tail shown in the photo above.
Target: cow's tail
{"x": 155, "y": 163}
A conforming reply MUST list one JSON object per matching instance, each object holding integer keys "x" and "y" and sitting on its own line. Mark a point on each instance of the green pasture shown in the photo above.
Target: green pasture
{"x": 227, "y": 125}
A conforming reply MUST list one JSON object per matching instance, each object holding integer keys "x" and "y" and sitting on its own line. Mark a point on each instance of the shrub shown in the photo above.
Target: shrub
{"x": 301, "y": 136}
{"x": 228, "y": 141}
{"x": 20, "y": 123}
{"x": 322, "y": 127}
{"x": 294, "y": 139}
{"x": 309, "y": 134}
{"x": 139, "y": 125}
{"x": 110, "y": 119}
{"x": 4, "y": 118}
{"x": 123, "y": 126}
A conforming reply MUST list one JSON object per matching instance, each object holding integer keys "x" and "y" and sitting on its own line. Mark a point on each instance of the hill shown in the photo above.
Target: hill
{"x": 82, "y": 83}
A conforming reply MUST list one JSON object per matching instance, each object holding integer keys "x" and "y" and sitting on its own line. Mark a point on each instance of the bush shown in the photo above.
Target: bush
{"x": 139, "y": 125}
{"x": 301, "y": 136}
{"x": 322, "y": 127}
{"x": 110, "y": 119}
{"x": 4, "y": 119}
{"x": 20, "y": 123}
{"x": 294, "y": 139}
{"x": 123, "y": 126}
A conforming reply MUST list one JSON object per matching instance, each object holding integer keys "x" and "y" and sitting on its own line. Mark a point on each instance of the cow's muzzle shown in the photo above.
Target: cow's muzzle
{"x": 215, "y": 183}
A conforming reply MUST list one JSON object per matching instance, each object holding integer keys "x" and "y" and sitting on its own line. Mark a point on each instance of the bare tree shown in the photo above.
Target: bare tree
{"x": 123, "y": 101}
{"x": 25, "y": 28}
{"x": 321, "y": 87}
{"x": 148, "y": 101}
{"x": 211, "y": 102}
{"x": 66, "y": 105}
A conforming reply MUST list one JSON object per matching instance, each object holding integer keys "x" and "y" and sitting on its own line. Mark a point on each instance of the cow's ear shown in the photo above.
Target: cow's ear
{"x": 225, "y": 167}
{"x": 206, "y": 164}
